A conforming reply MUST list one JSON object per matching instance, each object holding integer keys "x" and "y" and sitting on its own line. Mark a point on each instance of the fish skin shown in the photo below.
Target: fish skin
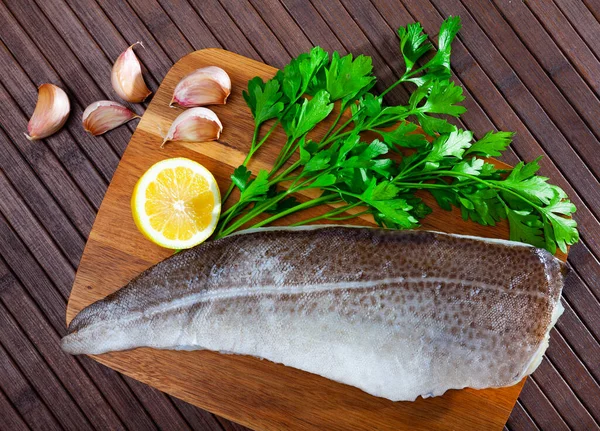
{"x": 398, "y": 314}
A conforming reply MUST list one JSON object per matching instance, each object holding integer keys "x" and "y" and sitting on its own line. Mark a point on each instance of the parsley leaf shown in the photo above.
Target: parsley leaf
{"x": 525, "y": 227}
{"x": 240, "y": 177}
{"x": 443, "y": 98}
{"x": 492, "y": 144}
{"x": 263, "y": 99}
{"x": 391, "y": 211}
{"x": 346, "y": 78}
{"x": 304, "y": 117}
{"x": 404, "y": 136}
{"x": 257, "y": 188}
{"x": 432, "y": 125}
{"x": 523, "y": 181}
{"x": 470, "y": 167}
{"x": 452, "y": 145}
{"x": 450, "y": 27}
{"x": 413, "y": 44}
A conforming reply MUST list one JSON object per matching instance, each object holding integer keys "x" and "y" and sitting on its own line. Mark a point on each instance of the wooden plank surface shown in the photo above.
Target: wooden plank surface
{"x": 531, "y": 67}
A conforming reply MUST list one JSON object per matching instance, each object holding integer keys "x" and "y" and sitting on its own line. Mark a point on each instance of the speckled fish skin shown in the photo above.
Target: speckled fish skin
{"x": 398, "y": 314}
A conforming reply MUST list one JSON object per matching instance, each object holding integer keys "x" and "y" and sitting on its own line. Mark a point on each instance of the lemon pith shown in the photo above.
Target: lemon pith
{"x": 176, "y": 203}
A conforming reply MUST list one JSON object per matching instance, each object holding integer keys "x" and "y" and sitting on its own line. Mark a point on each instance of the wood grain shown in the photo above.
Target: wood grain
{"x": 255, "y": 393}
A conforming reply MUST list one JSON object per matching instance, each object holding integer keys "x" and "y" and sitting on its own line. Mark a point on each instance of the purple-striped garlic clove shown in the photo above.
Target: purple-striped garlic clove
{"x": 104, "y": 115}
{"x": 50, "y": 114}
{"x": 195, "y": 125}
{"x": 206, "y": 86}
{"x": 127, "y": 79}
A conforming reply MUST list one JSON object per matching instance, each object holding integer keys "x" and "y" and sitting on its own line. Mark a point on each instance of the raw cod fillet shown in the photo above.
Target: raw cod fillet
{"x": 398, "y": 314}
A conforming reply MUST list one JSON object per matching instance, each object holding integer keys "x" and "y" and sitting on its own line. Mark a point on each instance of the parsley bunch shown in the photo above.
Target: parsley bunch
{"x": 381, "y": 177}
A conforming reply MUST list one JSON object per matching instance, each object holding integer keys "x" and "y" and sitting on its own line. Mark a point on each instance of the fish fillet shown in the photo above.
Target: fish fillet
{"x": 398, "y": 314}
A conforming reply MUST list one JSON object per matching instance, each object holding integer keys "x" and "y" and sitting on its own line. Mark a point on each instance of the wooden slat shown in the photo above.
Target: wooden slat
{"x": 562, "y": 397}
{"x": 291, "y": 36}
{"x": 113, "y": 38}
{"x": 10, "y": 419}
{"x": 584, "y": 16}
{"x": 580, "y": 340}
{"x": 540, "y": 409}
{"x": 569, "y": 127}
{"x": 575, "y": 374}
{"x": 82, "y": 46}
{"x": 24, "y": 397}
{"x": 190, "y": 24}
{"x": 594, "y": 7}
{"x": 567, "y": 36}
{"x": 62, "y": 275}
{"x": 198, "y": 419}
{"x": 37, "y": 372}
{"x": 254, "y": 28}
{"x": 22, "y": 176}
{"x": 587, "y": 265}
{"x": 158, "y": 405}
{"x": 47, "y": 343}
{"x": 520, "y": 420}
{"x": 314, "y": 27}
{"x": 172, "y": 41}
{"x": 583, "y": 302}
{"x": 558, "y": 68}
{"x": 217, "y": 19}
{"x": 33, "y": 233}
{"x": 48, "y": 169}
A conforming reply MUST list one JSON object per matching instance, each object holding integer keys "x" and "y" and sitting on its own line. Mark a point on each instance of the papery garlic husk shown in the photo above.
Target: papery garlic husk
{"x": 104, "y": 115}
{"x": 195, "y": 125}
{"x": 206, "y": 86}
{"x": 50, "y": 113}
{"x": 127, "y": 79}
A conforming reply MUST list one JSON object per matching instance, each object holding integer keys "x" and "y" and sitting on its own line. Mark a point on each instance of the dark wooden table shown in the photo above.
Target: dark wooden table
{"x": 529, "y": 67}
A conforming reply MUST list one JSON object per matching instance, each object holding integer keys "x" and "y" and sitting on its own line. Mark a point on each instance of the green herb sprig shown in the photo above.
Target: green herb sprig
{"x": 350, "y": 173}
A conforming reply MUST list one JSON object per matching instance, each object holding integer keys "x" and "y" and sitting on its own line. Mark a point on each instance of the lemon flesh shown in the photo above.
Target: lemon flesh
{"x": 176, "y": 203}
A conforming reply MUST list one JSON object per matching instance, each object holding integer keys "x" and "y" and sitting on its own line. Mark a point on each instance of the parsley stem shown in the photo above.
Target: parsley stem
{"x": 424, "y": 185}
{"x": 299, "y": 207}
{"x": 336, "y": 121}
{"x": 329, "y": 214}
{"x": 258, "y": 209}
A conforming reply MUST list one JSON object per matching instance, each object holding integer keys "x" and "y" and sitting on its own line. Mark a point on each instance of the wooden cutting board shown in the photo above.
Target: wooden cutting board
{"x": 256, "y": 393}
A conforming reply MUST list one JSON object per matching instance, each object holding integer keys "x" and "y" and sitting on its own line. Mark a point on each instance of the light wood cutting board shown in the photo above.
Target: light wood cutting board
{"x": 256, "y": 393}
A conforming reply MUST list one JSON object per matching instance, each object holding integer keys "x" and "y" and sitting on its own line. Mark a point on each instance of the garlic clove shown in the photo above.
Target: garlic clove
{"x": 104, "y": 115}
{"x": 127, "y": 79}
{"x": 195, "y": 125}
{"x": 50, "y": 113}
{"x": 206, "y": 86}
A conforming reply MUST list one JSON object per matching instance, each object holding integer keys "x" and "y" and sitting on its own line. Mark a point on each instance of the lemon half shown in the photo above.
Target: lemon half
{"x": 176, "y": 203}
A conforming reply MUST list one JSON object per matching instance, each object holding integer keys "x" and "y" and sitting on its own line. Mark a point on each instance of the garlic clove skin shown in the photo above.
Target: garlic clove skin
{"x": 206, "y": 86}
{"x": 50, "y": 113}
{"x": 127, "y": 79}
{"x": 104, "y": 115}
{"x": 195, "y": 125}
